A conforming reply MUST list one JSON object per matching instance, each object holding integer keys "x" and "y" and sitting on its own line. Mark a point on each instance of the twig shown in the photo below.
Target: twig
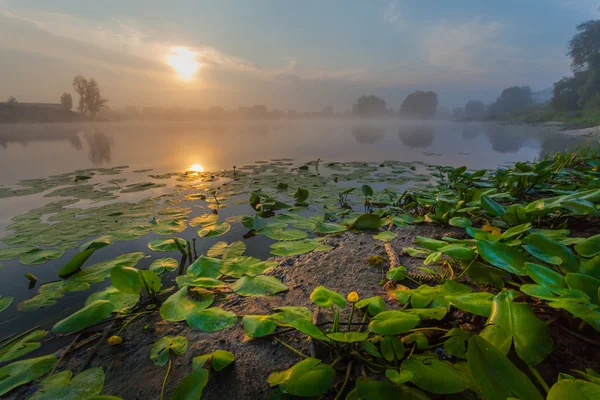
{"x": 67, "y": 350}
{"x": 577, "y": 335}
{"x": 340, "y": 393}
{"x": 93, "y": 350}
{"x": 291, "y": 348}
{"x": 18, "y": 337}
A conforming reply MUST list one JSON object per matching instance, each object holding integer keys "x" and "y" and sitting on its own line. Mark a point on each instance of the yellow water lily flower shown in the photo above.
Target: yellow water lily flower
{"x": 114, "y": 340}
{"x": 353, "y": 297}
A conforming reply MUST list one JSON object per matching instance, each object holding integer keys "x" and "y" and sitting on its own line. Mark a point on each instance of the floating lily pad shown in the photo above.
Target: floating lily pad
{"x": 120, "y": 300}
{"x": 258, "y": 325}
{"x": 284, "y": 234}
{"x": 89, "y": 315}
{"x": 18, "y": 348}
{"x": 217, "y": 229}
{"x": 22, "y": 372}
{"x": 226, "y": 251}
{"x": 5, "y": 302}
{"x": 161, "y": 265}
{"x": 99, "y": 272}
{"x": 85, "y": 385}
{"x": 166, "y": 244}
{"x": 205, "y": 267}
{"x": 40, "y": 256}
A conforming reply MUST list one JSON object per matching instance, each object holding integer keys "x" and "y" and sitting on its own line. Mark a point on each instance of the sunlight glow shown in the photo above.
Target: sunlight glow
{"x": 196, "y": 168}
{"x": 183, "y": 62}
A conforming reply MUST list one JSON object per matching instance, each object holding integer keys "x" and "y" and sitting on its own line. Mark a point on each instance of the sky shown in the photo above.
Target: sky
{"x": 303, "y": 55}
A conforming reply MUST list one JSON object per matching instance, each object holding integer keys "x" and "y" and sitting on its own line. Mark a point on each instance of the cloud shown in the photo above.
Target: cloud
{"x": 392, "y": 15}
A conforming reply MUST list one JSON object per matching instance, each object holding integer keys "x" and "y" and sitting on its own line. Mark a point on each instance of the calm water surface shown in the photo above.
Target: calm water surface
{"x": 37, "y": 151}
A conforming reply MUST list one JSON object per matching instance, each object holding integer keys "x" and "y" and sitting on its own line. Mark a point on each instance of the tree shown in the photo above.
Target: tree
{"x": 90, "y": 99}
{"x": 80, "y": 85}
{"x": 582, "y": 90}
{"x": 66, "y": 100}
{"x": 474, "y": 109}
{"x": 369, "y": 106}
{"x": 12, "y": 101}
{"x": 512, "y": 99}
{"x": 93, "y": 100}
{"x": 458, "y": 113}
{"x": 420, "y": 104}
{"x": 584, "y": 48}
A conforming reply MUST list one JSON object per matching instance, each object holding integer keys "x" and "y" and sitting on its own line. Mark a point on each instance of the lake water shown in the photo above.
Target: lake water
{"x": 39, "y": 151}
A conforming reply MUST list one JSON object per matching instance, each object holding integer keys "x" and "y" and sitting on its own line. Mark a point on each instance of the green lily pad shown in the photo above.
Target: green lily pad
{"x": 163, "y": 245}
{"x": 205, "y": 267}
{"x": 217, "y": 360}
{"x": 328, "y": 228}
{"x": 5, "y": 302}
{"x": 26, "y": 344}
{"x": 126, "y": 279}
{"x": 393, "y": 322}
{"x": 550, "y": 251}
{"x": 216, "y": 229}
{"x": 22, "y": 372}
{"x": 120, "y": 300}
{"x": 161, "y": 265}
{"x": 512, "y": 322}
{"x": 368, "y": 221}
{"x": 181, "y": 304}
{"x": 502, "y": 256}
{"x": 588, "y": 248}
{"x": 11, "y": 253}
{"x": 99, "y": 272}
{"x": 211, "y": 320}
{"x": 191, "y": 386}
{"x": 258, "y": 325}
{"x": 162, "y": 349}
{"x": 460, "y": 222}
{"x": 435, "y": 376}
{"x": 385, "y": 236}
{"x": 226, "y": 251}
{"x": 89, "y": 315}
{"x": 479, "y": 303}
{"x": 292, "y": 248}
{"x": 371, "y": 389}
{"x": 496, "y": 377}
{"x": 65, "y": 386}
{"x": 204, "y": 220}
{"x": 237, "y": 267}
{"x": 40, "y": 256}
{"x": 348, "y": 337}
{"x": 324, "y": 297}
{"x": 566, "y": 389}
{"x": 283, "y": 234}
{"x": 374, "y": 304}
{"x": 260, "y": 285}
{"x": 308, "y": 378}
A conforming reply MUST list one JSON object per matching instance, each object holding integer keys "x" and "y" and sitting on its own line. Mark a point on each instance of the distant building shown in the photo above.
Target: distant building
{"x": 46, "y": 106}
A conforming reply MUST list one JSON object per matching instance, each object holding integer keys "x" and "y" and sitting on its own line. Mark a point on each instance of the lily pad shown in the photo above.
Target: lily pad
{"x": 89, "y": 315}
{"x": 65, "y": 386}
{"x": 216, "y": 229}
{"x": 22, "y": 372}
{"x": 237, "y": 267}
{"x": 308, "y": 378}
{"x": 226, "y": 251}
{"x": 120, "y": 300}
{"x": 40, "y": 256}
{"x": 161, "y": 245}
{"x": 324, "y": 297}
{"x": 217, "y": 360}
{"x": 205, "y": 267}
{"x": 162, "y": 349}
{"x": 292, "y": 248}
{"x": 502, "y": 256}
{"x": 284, "y": 234}
{"x": 161, "y": 265}
{"x": 260, "y": 285}
{"x": 435, "y": 376}
{"x": 18, "y": 348}
{"x": 212, "y": 319}
{"x": 393, "y": 322}
{"x": 385, "y": 236}
{"x": 181, "y": 304}
{"x": 258, "y": 325}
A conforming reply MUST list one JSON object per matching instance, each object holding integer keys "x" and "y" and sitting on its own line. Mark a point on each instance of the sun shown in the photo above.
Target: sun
{"x": 183, "y": 62}
{"x": 196, "y": 168}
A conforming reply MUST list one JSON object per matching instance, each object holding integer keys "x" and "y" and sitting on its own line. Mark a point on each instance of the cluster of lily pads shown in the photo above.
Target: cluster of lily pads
{"x": 517, "y": 224}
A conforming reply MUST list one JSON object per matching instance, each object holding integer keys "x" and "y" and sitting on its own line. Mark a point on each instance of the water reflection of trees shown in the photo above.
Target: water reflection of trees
{"x": 416, "y": 136}
{"x": 368, "y": 134}
{"x": 505, "y": 141}
{"x": 100, "y": 147}
{"x": 471, "y": 131}
{"x": 24, "y": 134}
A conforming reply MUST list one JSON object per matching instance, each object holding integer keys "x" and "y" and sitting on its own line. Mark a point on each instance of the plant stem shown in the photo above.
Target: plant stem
{"x": 12, "y": 339}
{"x": 291, "y": 348}
{"x": 412, "y": 351}
{"x": 539, "y": 378}
{"x": 351, "y": 316}
{"x": 127, "y": 323}
{"x": 164, "y": 385}
{"x": 67, "y": 350}
{"x": 363, "y": 323}
{"x": 348, "y": 370}
{"x": 577, "y": 335}
{"x": 429, "y": 329}
{"x": 466, "y": 269}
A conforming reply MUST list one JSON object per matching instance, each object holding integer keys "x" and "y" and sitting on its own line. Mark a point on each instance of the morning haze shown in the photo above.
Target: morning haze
{"x": 311, "y": 199}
